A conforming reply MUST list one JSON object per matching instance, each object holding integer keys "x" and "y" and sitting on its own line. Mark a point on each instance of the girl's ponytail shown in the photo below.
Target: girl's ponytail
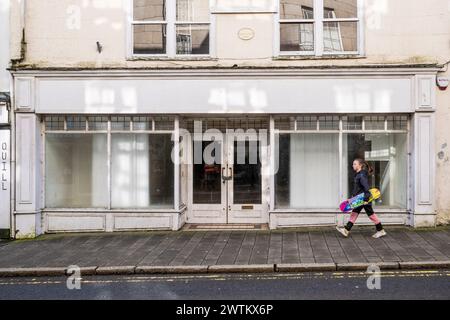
{"x": 365, "y": 165}
{"x": 368, "y": 167}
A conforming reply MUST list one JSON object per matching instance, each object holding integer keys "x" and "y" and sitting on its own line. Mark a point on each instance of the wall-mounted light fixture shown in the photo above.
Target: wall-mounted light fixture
{"x": 442, "y": 83}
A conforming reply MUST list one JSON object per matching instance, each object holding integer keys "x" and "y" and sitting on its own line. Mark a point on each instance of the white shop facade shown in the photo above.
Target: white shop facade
{"x": 95, "y": 150}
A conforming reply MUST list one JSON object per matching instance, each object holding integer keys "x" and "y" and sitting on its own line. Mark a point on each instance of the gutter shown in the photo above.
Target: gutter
{"x": 31, "y": 68}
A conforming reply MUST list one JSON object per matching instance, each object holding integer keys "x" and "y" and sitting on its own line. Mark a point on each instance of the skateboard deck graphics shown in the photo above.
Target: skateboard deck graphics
{"x": 358, "y": 200}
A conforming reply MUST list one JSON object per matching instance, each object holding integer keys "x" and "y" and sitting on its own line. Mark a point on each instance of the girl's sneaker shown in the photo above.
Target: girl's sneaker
{"x": 379, "y": 234}
{"x": 343, "y": 231}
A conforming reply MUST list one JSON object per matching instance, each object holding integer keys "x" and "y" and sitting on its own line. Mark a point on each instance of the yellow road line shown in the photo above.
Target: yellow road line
{"x": 187, "y": 278}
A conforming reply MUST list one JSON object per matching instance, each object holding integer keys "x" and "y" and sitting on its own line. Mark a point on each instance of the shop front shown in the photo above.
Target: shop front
{"x": 143, "y": 150}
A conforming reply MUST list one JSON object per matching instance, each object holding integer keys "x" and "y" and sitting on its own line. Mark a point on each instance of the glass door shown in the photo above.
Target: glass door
{"x": 208, "y": 182}
{"x": 245, "y": 189}
{"x": 227, "y": 180}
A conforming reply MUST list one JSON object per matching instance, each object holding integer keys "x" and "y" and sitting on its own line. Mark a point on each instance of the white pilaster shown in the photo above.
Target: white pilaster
{"x": 424, "y": 170}
{"x": 28, "y": 169}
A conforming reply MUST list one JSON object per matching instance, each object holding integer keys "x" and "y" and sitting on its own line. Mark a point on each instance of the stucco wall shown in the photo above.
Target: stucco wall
{"x": 63, "y": 33}
{"x": 443, "y": 154}
{"x": 4, "y": 45}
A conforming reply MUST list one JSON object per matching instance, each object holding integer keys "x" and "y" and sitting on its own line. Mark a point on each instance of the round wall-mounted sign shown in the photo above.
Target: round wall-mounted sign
{"x": 246, "y": 34}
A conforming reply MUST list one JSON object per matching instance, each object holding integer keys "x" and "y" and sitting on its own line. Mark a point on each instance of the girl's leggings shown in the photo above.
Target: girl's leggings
{"x": 372, "y": 216}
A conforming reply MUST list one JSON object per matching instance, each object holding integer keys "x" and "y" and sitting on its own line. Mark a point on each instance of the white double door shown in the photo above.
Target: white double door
{"x": 228, "y": 180}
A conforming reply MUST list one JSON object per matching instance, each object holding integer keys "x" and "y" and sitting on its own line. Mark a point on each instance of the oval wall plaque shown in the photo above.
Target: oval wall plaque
{"x": 246, "y": 33}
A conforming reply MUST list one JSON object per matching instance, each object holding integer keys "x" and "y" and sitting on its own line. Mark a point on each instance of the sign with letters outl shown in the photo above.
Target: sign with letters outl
{"x": 5, "y": 178}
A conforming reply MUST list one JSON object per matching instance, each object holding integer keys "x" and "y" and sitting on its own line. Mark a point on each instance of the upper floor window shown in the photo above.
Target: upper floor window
{"x": 171, "y": 27}
{"x": 319, "y": 27}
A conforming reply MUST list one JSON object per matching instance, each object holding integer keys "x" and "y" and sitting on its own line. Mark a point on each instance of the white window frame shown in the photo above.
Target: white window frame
{"x": 174, "y": 132}
{"x": 171, "y": 41}
{"x": 275, "y": 132}
{"x": 318, "y": 23}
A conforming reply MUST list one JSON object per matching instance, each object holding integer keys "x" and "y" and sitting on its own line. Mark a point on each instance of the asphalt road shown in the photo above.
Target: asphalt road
{"x": 400, "y": 284}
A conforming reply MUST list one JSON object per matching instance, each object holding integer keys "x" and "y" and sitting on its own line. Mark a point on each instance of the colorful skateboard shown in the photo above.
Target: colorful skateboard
{"x": 358, "y": 201}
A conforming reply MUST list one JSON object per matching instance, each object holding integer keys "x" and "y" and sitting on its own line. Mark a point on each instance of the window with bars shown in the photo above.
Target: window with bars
{"x": 171, "y": 27}
{"x": 319, "y": 27}
{"x": 100, "y": 123}
{"x": 349, "y": 123}
{"x": 223, "y": 124}
{"x": 109, "y": 162}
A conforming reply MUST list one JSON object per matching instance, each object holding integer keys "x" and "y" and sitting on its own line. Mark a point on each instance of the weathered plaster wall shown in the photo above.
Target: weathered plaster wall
{"x": 4, "y": 45}
{"x": 443, "y": 154}
{"x": 63, "y": 33}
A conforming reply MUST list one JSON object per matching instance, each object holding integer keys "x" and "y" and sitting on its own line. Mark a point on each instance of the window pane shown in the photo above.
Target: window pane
{"x": 285, "y": 123}
{"x": 296, "y": 9}
{"x": 374, "y": 123}
{"x": 329, "y": 123}
{"x": 142, "y": 171}
{"x": 397, "y": 122}
{"x": 193, "y": 10}
{"x": 120, "y": 123}
{"x": 297, "y": 37}
{"x": 149, "y": 39}
{"x": 98, "y": 123}
{"x": 246, "y": 172}
{"x": 207, "y": 179}
{"x": 76, "y": 171}
{"x": 340, "y": 36}
{"x": 76, "y": 123}
{"x": 54, "y": 123}
{"x": 308, "y": 166}
{"x": 193, "y": 39}
{"x": 387, "y": 155}
{"x": 352, "y": 122}
{"x": 152, "y": 10}
{"x": 340, "y": 9}
{"x": 307, "y": 123}
{"x": 164, "y": 123}
{"x": 142, "y": 123}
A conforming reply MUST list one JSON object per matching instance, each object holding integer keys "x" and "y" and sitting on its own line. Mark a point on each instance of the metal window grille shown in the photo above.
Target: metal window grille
{"x": 284, "y": 123}
{"x": 307, "y": 123}
{"x": 120, "y": 123}
{"x": 352, "y": 122}
{"x": 374, "y": 122}
{"x": 329, "y": 123}
{"x": 76, "y": 123}
{"x": 397, "y": 122}
{"x": 54, "y": 123}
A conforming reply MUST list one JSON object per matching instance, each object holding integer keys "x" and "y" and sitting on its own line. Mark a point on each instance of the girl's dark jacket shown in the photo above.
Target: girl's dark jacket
{"x": 361, "y": 184}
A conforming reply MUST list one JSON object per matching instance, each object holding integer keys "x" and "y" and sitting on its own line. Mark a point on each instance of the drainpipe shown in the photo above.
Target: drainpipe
{"x": 13, "y": 160}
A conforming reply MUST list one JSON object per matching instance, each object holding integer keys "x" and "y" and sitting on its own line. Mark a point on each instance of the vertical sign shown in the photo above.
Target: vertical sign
{"x": 5, "y": 179}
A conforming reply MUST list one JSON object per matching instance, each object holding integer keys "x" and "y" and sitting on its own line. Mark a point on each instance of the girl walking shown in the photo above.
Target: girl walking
{"x": 361, "y": 185}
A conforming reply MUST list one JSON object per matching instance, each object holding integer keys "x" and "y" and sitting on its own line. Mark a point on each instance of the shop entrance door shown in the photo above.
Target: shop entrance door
{"x": 228, "y": 180}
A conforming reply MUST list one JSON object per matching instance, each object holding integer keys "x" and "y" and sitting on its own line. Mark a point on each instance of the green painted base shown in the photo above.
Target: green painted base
{"x": 5, "y": 233}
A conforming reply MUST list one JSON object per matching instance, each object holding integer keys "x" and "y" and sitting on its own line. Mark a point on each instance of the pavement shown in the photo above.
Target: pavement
{"x": 262, "y": 251}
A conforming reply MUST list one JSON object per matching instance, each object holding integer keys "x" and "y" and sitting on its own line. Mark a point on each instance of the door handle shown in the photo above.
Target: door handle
{"x": 231, "y": 172}
{"x": 224, "y": 177}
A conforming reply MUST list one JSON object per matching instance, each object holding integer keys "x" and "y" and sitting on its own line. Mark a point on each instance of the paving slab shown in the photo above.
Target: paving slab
{"x": 222, "y": 251}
